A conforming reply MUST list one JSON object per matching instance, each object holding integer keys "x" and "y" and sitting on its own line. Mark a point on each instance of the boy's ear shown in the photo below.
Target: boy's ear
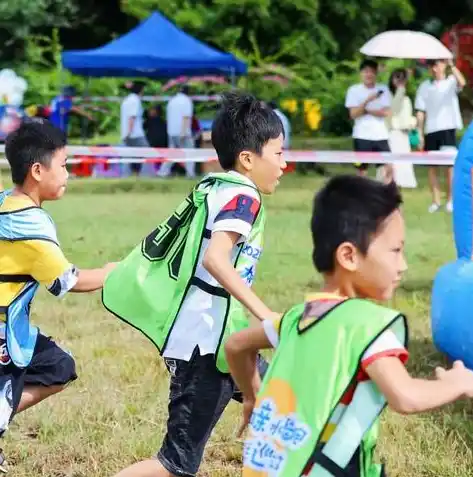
{"x": 347, "y": 256}
{"x": 246, "y": 160}
{"x": 36, "y": 171}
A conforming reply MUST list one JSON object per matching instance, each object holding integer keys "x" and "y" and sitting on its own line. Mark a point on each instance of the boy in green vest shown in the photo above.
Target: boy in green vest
{"x": 340, "y": 357}
{"x": 183, "y": 285}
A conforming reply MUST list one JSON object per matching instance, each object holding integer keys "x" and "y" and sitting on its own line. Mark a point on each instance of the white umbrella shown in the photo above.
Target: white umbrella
{"x": 406, "y": 44}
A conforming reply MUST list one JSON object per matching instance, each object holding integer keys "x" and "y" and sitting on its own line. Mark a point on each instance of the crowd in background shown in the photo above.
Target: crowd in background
{"x": 385, "y": 120}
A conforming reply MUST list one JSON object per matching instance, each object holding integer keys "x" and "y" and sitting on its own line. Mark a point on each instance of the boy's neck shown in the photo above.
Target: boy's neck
{"x": 243, "y": 172}
{"x": 334, "y": 285}
{"x": 31, "y": 193}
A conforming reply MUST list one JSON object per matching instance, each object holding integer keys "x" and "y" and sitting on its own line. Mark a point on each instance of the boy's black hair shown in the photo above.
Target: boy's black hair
{"x": 349, "y": 209}
{"x": 368, "y": 63}
{"x": 137, "y": 87}
{"x": 243, "y": 123}
{"x": 434, "y": 62}
{"x": 34, "y": 141}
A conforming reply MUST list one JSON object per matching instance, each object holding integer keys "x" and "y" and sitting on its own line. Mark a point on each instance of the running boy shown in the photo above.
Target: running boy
{"x": 32, "y": 366}
{"x": 183, "y": 285}
{"x": 340, "y": 357}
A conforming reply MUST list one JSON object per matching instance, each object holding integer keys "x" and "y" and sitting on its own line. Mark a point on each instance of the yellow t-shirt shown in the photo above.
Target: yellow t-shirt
{"x": 41, "y": 259}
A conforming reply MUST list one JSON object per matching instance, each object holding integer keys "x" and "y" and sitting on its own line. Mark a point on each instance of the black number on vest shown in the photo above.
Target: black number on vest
{"x": 159, "y": 243}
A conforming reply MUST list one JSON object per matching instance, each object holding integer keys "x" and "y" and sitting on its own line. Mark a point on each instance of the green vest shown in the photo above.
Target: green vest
{"x": 318, "y": 357}
{"x": 148, "y": 287}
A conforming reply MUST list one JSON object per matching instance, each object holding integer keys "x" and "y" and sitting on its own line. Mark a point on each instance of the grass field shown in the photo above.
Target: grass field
{"x": 115, "y": 413}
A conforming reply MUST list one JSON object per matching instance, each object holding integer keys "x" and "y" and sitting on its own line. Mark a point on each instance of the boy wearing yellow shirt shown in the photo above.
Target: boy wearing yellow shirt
{"x": 32, "y": 366}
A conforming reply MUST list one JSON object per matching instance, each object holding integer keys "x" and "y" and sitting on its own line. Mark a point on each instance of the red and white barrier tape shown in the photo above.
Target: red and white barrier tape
{"x": 156, "y": 99}
{"x": 111, "y": 155}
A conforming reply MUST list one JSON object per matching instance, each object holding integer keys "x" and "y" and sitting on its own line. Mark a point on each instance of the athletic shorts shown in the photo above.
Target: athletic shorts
{"x": 49, "y": 366}
{"x": 364, "y": 145}
{"x": 198, "y": 395}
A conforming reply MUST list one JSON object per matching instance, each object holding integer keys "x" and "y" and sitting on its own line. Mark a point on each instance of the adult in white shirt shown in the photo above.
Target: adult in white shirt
{"x": 131, "y": 120}
{"x": 369, "y": 103}
{"x": 179, "y": 112}
{"x": 438, "y": 115}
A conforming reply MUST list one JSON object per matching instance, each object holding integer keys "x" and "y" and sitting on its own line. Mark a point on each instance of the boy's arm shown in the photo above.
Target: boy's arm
{"x": 407, "y": 395}
{"x": 50, "y": 267}
{"x": 241, "y": 350}
{"x": 217, "y": 261}
{"x": 93, "y": 279}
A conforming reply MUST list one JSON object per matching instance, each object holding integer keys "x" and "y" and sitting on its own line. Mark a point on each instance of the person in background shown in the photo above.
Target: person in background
{"x": 196, "y": 132}
{"x": 369, "y": 103}
{"x": 399, "y": 124}
{"x": 131, "y": 120}
{"x": 438, "y": 115}
{"x": 287, "y": 137}
{"x": 285, "y": 122}
{"x": 179, "y": 113}
{"x": 62, "y": 107}
{"x": 155, "y": 127}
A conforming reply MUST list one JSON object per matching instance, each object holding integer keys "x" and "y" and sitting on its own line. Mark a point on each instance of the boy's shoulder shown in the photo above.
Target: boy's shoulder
{"x": 22, "y": 220}
{"x": 319, "y": 305}
{"x": 354, "y": 88}
{"x": 234, "y": 191}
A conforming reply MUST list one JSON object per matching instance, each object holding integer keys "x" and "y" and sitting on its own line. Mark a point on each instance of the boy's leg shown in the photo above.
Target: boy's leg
{"x": 262, "y": 366}
{"x": 432, "y": 144}
{"x": 32, "y": 395}
{"x": 165, "y": 168}
{"x": 146, "y": 468}
{"x": 50, "y": 370}
{"x": 198, "y": 396}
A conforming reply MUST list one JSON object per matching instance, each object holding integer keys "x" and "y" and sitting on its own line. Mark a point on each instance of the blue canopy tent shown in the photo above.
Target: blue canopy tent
{"x": 156, "y": 48}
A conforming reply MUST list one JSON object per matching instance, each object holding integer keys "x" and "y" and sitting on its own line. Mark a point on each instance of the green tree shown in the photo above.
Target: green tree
{"x": 287, "y": 31}
{"x": 18, "y": 18}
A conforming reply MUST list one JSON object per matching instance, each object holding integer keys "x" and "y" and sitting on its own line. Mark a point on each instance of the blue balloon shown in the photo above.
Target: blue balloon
{"x": 452, "y": 312}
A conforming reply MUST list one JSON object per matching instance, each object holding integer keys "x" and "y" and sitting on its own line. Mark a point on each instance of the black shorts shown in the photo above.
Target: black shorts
{"x": 438, "y": 139}
{"x": 364, "y": 145}
{"x": 198, "y": 395}
{"x": 49, "y": 366}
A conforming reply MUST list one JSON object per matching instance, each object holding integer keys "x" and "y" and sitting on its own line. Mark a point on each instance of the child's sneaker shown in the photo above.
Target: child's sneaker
{"x": 434, "y": 208}
{"x": 449, "y": 206}
{"x": 3, "y": 463}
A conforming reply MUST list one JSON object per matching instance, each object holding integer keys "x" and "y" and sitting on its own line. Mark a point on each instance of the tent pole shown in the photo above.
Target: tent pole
{"x": 83, "y": 119}
{"x": 232, "y": 72}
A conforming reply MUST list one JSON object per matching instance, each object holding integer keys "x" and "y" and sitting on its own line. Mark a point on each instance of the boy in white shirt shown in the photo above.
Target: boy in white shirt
{"x": 438, "y": 114}
{"x": 369, "y": 103}
{"x": 212, "y": 266}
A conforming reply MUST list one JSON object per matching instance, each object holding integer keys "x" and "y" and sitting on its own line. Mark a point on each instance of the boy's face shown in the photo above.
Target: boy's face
{"x": 52, "y": 179}
{"x": 377, "y": 274}
{"x": 368, "y": 75}
{"x": 266, "y": 169}
{"x": 438, "y": 69}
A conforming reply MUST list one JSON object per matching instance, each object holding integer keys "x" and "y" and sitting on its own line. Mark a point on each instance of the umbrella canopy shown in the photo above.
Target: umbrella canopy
{"x": 406, "y": 44}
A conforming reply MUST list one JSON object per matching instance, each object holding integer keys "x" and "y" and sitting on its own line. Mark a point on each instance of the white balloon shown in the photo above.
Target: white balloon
{"x": 12, "y": 87}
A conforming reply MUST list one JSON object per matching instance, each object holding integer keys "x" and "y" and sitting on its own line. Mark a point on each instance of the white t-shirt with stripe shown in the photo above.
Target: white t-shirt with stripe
{"x": 232, "y": 208}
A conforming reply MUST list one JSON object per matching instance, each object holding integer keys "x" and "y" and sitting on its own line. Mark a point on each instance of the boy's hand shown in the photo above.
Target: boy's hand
{"x": 248, "y": 406}
{"x": 458, "y": 375}
{"x": 110, "y": 266}
{"x": 371, "y": 97}
{"x": 273, "y": 316}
